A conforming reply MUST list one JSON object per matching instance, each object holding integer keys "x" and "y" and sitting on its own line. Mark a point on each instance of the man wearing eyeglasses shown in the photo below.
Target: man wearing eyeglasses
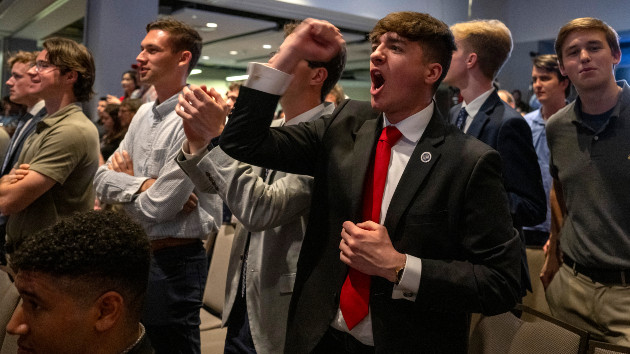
{"x": 55, "y": 169}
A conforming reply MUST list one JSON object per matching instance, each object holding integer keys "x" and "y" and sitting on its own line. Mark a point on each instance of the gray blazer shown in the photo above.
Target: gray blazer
{"x": 274, "y": 214}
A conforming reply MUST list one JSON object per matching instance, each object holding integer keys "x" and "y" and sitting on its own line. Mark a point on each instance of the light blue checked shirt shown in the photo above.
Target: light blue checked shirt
{"x": 153, "y": 140}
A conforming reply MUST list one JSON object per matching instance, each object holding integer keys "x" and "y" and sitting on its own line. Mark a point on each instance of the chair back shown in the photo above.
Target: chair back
{"x": 214, "y": 293}
{"x": 596, "y": 347}
{"x": 534, "y": 332}
{"x": 542, "y": 333}
{"x": 9, "y": 299}
{"x": 494, "y": 334}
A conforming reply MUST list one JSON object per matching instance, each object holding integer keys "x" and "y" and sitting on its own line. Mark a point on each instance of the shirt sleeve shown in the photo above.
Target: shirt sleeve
{"x": 167, "y": 196}
{"x": 410, "y": 281}
{"x": 118, "y": 187}
{"x": 267, "y": 79}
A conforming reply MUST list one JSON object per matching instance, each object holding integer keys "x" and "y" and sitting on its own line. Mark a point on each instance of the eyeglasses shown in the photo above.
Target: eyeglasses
{"x": 42, "y": 65}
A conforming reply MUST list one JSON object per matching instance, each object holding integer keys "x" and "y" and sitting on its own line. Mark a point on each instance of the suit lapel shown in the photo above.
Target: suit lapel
{"x": 362, "y": 155}
{"x": 424, "y": 156}
{"x": 483, "y": 116}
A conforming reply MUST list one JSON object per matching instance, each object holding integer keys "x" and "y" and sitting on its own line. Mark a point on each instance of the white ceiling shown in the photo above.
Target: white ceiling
{"x": 242, "y": 26}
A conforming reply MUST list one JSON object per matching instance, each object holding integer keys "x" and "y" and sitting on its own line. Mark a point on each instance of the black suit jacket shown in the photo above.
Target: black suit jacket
{"x": 505, "y": 130}
{"x": 16, "y": 144}
{"x": 449, "y": 209}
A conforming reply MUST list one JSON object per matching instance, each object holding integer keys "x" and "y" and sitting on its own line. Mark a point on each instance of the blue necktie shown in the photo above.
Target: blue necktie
{"x": 461, "y": 119}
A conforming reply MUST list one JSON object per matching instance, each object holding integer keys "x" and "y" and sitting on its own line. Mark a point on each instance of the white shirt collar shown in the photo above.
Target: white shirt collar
{"x": 37, "y": 107}
{"x": 413, "y": 126}
{"x": 474, "y": 106}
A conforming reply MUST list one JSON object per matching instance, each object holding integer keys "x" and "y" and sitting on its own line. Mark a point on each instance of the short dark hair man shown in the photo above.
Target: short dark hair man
{"x": 56, "y": 167}
{"x": 551, "y": 88}
{"x": 483, "y": 47}
{"x": 82, "y": 282}
{"x": 273, "y": 207}
{"x": 144, "y": 178}
{"x": 589, "y": 141}
{"x": 426, "y": 237}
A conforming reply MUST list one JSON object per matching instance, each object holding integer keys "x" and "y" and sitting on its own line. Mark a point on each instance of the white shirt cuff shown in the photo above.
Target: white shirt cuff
{"x": 267, "y": 79}
{"x": 409, "y": 283}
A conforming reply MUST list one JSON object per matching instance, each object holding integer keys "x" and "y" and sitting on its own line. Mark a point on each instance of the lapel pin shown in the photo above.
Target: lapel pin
{"x": 425, "y": 157}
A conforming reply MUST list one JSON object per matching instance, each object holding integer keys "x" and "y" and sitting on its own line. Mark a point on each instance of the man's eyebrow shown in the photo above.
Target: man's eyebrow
{"x": 595, "y": 41}
{"x": 591, "y": 42}
{"x": 29, "y": 294}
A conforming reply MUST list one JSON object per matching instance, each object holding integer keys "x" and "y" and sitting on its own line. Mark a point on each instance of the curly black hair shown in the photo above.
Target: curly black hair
{"x": 96, "y": 251}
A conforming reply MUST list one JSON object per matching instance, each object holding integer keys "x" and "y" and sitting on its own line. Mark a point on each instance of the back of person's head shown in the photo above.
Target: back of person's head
{"x": 334, "y": 67}
{"x": 22, "y": 57}
{"x": 182, "y": 37}
{"x": 507, "y": 97}
{"x": 433, "y": 35}
{"x": 587, "y": 24}
{"x": 91, "y": 253}
{"x": 549, "y": 64}
{"x": 234, "y": 86}
{"x": 491, "y": 40}
{"x": 132, "y": 104}
{"x": 338, "y": 94}
{"x": 69, "y": 55}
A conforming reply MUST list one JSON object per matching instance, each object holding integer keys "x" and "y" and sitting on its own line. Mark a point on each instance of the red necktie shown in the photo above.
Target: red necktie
{"x": 355, "y": 292}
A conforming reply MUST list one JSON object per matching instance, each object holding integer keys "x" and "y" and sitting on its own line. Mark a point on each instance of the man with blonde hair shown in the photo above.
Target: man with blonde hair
{"x": 589, "y": 141}
{"x": 483, "y": 46}
{"x": 58, "y": 161}
{"x": 22, "y": 91}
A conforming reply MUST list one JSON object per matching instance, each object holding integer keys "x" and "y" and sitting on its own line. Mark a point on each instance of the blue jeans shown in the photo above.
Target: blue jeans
{"x": 177, "y": 279}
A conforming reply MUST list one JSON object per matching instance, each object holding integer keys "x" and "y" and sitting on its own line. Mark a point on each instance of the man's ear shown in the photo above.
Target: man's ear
{"x": 616, "y": 57}
{"x": 565, "y": 83}
{"x": 319, "y": 76}
{"x": 471, "y": 60}
{"x": 184, "y": 58}
{"x": 433, "y": 73}
{"x": 109, "y": 309}
{"x": 71, "y": 77}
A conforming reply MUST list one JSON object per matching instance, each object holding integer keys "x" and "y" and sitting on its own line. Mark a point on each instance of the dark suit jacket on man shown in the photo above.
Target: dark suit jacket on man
{"x": 18, "y": 141}
{"x": 505, "y": 130}
{"x": 449, "y": 209}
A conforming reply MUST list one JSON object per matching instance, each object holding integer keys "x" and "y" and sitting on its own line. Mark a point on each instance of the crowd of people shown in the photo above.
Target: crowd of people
{"x": 364, "y": 226}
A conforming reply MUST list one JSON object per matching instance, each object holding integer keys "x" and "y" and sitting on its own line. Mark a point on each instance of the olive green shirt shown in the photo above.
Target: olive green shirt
{"x": 64, "y": 147}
